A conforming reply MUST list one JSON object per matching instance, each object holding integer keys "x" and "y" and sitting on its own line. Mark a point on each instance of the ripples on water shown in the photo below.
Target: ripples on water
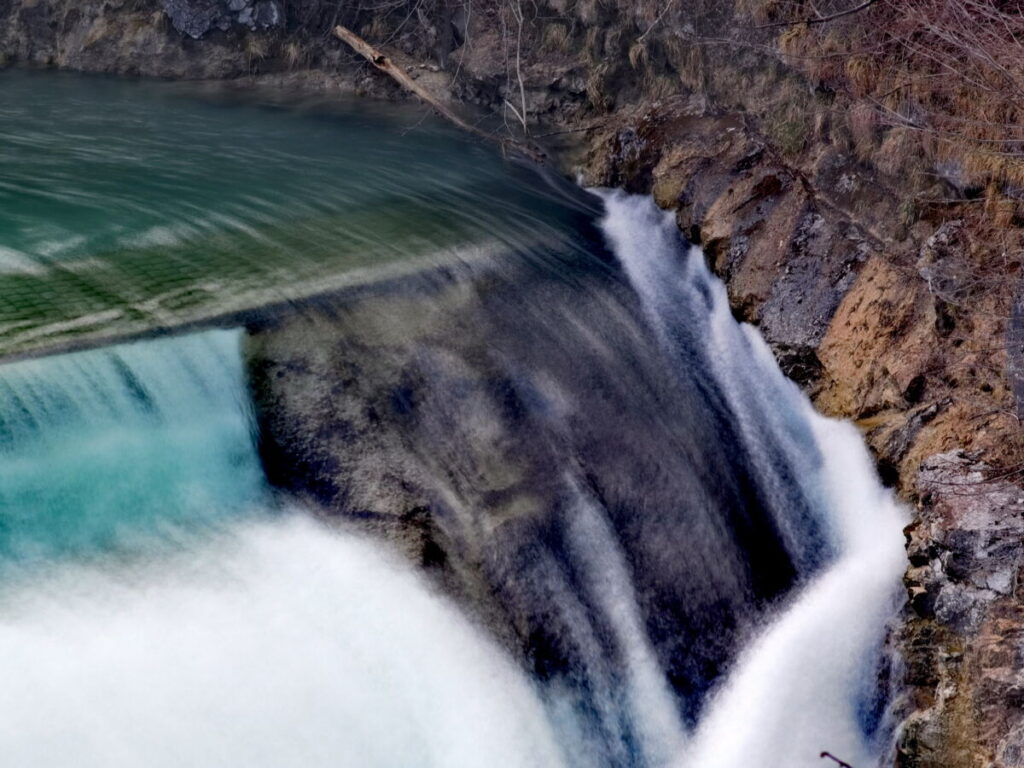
{"x": 128, "y": 205}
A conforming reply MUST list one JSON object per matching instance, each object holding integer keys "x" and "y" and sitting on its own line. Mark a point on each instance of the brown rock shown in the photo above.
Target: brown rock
{"x": 880, "y": 343}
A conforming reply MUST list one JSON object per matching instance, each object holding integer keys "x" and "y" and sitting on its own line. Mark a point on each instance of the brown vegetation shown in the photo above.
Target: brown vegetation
{"x": 949, "y": 73}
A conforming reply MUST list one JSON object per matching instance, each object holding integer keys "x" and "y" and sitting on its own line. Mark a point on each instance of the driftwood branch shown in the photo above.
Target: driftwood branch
{"x": 836, "y": 760}
{"x": 399, "y": 75}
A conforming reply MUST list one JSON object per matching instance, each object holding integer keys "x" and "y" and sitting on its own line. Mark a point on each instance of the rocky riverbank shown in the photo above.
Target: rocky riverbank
{"x": 856, "y": 313}
{"x": 878, "y": 279}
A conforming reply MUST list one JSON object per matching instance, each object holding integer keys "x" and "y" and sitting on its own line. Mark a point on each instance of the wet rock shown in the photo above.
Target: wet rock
{"x": 455, "y": 422}
{"x": 788, "y": 256}
{"x": 821, "y": 265}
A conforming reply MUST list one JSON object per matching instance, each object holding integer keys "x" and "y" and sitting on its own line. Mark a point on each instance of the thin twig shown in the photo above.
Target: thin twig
{"x": 657, "y": 21}
{"x": 819, "y": 19}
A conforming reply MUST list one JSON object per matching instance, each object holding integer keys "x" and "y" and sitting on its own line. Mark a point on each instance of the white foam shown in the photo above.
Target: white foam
{"x": 16, "y": 262}
{"x": 651, "y": 703}
{"x": 284, "y": 645}
{"x": 796, "y": 690}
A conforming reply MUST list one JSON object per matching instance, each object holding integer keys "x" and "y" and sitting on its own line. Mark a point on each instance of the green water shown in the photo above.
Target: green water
{"x": 127, "y": 206}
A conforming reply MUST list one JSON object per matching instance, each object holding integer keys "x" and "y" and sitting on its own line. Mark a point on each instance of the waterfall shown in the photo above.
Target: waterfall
{"x": 653, "y": 712}
{"x": 97, "y": 448}
{"x": 282, "y": 644}
{"x": 689, "y": 310}
{"x": 688, "y": 567}
{"x": 804, "y": 682}
{"x": 156, "y": 610}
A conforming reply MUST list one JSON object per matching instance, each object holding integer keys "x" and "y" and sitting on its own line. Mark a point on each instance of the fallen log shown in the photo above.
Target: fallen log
{"x": 399, "y": 75}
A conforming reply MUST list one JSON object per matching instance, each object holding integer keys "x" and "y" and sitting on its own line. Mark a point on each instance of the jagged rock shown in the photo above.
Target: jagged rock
{"x": 195, "y": 18}
{"x": 788, "y": 256}
{"x": 964, "y": 656}
{"x": 267, "y": 13}
{"x": 942, "y": 265}
{"x": 1015, "y": 353}
{"x": 879, "y": 344}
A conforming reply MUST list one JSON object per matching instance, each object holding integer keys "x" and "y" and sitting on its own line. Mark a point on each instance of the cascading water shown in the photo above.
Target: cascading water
{"x": 277, "y": 644}
{"x": 97, "y": 447}
{"x": 155, "y": 610}
{"x": 803, "y": 685}
{"x": 644, "y": 549}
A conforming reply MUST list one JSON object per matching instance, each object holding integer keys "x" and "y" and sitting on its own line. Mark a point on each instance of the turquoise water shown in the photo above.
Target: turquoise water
{"x": 115, "y": 450}
{"x": 128, "y": 207}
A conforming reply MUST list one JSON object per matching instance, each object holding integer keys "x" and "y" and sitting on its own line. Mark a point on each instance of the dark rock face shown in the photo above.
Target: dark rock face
{"x": 196, "y": 18}
{"x": 787, "y": 256}
{"x": 483, "y": 426}
{"x": 151, "y": 37}
{"x": 132, "y": 39}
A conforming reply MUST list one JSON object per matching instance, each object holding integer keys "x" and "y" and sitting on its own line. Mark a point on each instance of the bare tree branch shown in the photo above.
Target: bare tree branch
{"x": 819, "y": 19}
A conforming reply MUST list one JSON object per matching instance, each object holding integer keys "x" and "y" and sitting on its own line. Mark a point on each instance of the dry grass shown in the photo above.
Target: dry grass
{"x": 556, "y": 37}
{"x": 294, "y": 54}
{"x": 944, "y": 77}
{"x": 598, "y": 93}
{"x": 639, "y": 56}
{"x": 256, "y": 50}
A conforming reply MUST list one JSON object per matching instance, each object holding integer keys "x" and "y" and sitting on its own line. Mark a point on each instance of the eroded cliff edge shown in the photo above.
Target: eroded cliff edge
{"x": 884, "y": 277}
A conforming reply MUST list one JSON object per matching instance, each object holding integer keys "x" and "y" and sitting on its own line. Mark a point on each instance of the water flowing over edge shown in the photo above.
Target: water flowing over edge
{"x": 801, "y": 686}
{"x": 285, "y": 642}
{"x": 284, "y": 645}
